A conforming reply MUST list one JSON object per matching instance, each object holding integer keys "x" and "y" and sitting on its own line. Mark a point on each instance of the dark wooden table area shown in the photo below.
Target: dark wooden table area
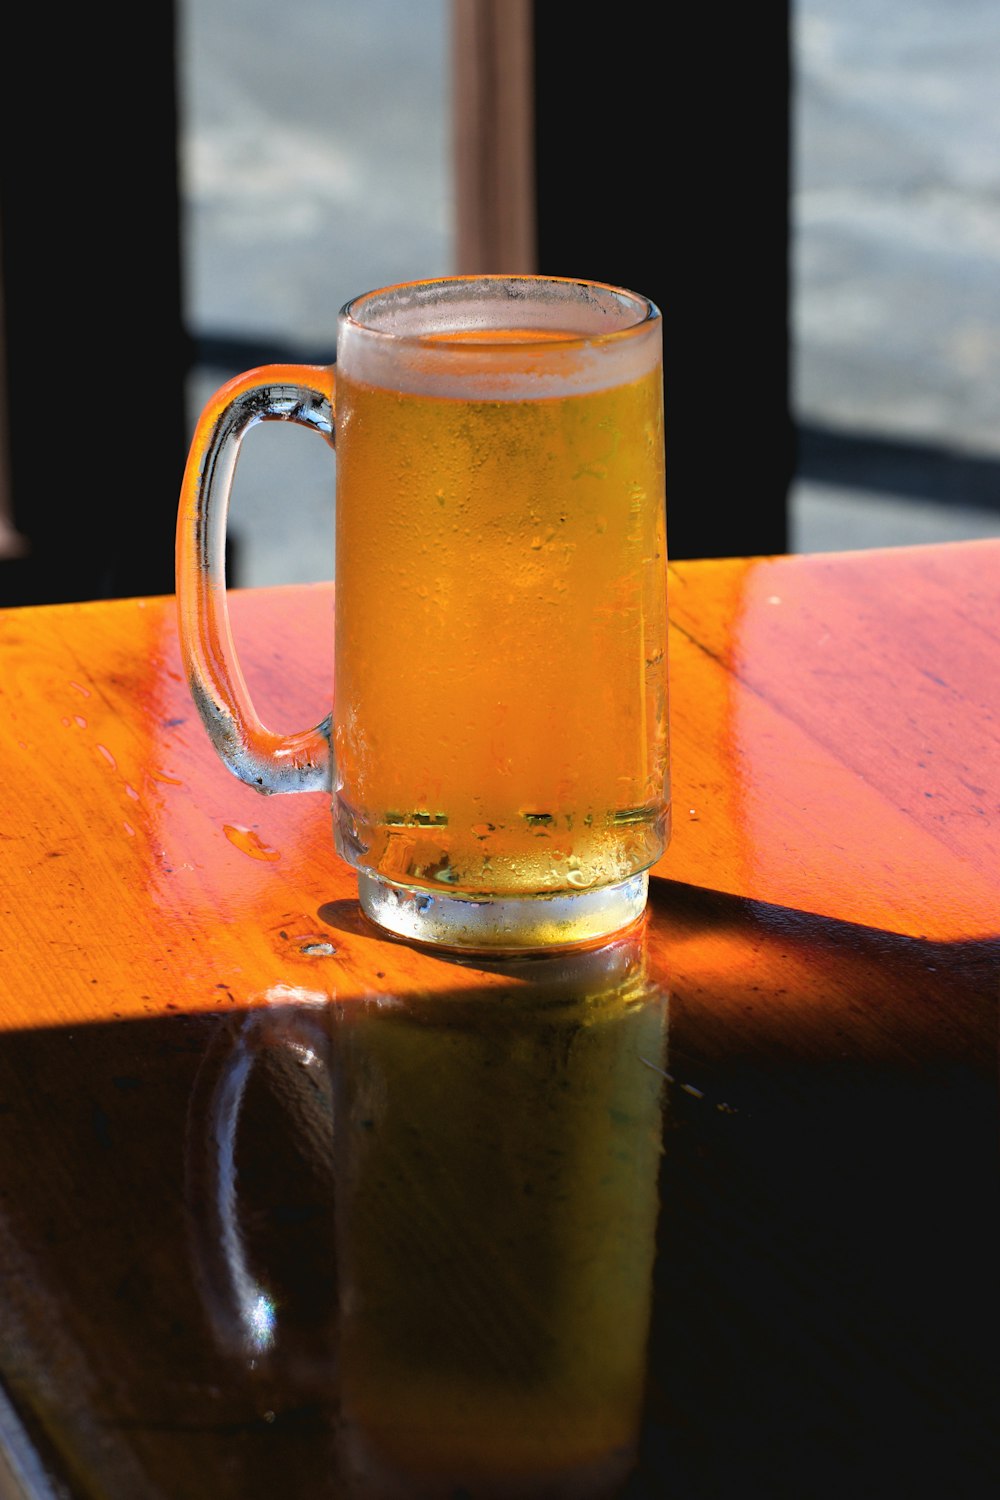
{"x": 288, "y": 1209}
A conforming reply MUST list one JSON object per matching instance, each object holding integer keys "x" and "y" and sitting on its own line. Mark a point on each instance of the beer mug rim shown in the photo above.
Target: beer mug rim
{"x": 445, "y": 310}
{"x": 498, "y": 338}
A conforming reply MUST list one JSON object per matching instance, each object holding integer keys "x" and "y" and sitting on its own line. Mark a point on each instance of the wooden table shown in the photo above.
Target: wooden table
{"x": 282, "y": 1200}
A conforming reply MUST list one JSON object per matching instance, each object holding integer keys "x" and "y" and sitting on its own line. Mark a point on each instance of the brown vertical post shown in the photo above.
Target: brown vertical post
{"x": 493, "y": 125}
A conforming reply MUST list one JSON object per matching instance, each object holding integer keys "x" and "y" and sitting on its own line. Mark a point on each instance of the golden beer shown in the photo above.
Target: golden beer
{"x": 501, "y": 691}
{"x": 497, "y": 752}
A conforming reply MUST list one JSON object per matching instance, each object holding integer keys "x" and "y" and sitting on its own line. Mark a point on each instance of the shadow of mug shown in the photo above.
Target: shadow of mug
{"x": 467, "y": 1270}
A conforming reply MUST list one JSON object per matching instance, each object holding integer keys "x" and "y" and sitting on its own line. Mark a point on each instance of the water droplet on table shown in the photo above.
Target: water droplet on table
{"x": 249, "y": 842}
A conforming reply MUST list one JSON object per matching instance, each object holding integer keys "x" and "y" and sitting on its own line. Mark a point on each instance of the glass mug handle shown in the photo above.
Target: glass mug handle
{"x": 268, "y": 761}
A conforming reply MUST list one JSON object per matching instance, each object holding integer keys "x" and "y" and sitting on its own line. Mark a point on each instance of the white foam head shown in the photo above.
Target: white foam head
{"x": 499, "y": 338}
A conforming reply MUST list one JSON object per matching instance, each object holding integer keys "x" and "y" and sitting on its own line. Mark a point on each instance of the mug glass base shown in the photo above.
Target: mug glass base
{"x": 502, "y": 924}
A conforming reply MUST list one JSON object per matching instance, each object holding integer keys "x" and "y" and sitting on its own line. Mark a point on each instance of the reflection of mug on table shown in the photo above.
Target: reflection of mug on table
{"x": 499, "y": 730}
{"x": 494, "y": 1167}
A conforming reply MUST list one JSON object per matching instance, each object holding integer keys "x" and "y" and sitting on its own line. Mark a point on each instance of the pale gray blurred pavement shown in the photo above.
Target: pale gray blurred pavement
{"x": 316, "y": 160}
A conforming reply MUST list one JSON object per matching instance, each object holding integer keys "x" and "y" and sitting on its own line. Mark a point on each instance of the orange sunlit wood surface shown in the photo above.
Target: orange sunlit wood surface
{"x": 818, "y": 981}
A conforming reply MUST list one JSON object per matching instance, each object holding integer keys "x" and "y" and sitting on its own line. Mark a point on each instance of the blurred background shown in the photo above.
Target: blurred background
{"x": 836, "y": 178}
{"x": 894, "y": 286}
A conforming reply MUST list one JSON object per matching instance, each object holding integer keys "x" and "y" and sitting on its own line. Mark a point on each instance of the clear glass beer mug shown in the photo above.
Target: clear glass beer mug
{"x": 498, "y": 749}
